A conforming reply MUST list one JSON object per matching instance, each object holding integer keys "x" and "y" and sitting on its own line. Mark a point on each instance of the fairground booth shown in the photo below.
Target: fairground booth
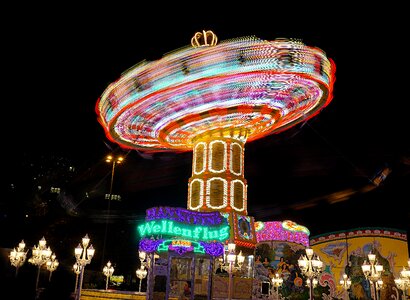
{"x": 187, "y": 250}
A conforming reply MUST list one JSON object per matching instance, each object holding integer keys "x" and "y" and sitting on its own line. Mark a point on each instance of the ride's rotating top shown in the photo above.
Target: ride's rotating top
{"x": 212, "y": 98}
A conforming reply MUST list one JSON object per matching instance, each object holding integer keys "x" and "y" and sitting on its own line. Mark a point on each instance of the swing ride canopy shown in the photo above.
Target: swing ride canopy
{"x": 260, "y": 86}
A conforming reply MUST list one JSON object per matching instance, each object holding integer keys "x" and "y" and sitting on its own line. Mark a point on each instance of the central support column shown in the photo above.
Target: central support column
{"x": 217, "y": 182}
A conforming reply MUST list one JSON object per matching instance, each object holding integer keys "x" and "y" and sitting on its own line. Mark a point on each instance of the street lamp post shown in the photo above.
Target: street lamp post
{"x": 142, "y": 271}
{"x": 141, "y": 274}
{"x": 18, "y": 256}
{"x": 108, "y": 270}
{"x": 77, "y": 271}
{"x": 373, "y": 272}
{"x": 52, "y": 265}
{"x": 230, "y": 267}
{"x": 84, "y": 252}
{"x": 40, "y": 255}
{"x": 403, "y": 282}
{"x": 114, "y": 161}
{"x": 148, "y": 261}
{"x": 345, "y": 282}
{"x": 311, "y": 266}
{"x": 277, "y": 282}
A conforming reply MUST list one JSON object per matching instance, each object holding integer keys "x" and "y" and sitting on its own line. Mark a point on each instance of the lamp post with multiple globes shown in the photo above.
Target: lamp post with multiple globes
{"x": 141, "y": 274}
{"x": 40, "y": 255}
{"x": 108, "y": 270}
{"x": 142, "y": 271}
{"x": 114, "y": 161}
{"x": 345, "y": 282}
{"x": 277, "y": 282}
{"x": 18, "y": 256}
{"x": 311, "y": 266}
{"x": 372, "y": 271}
{"x": 52, "y": 265}
{"x": 403, "y": 282}
{"x": 84, "y": 252}
{"x": 230, "y": 267}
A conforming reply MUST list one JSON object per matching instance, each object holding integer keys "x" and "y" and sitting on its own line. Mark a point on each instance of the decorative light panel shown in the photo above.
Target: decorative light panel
{"x": 242, "y": 199}
{"x": 215, "y": 155}
{"x": 239, "y": 160}
{"x": 211, "y": 195}
{"x": 199, "y": 193}
{"x": 275, "y": 231}
{"x": 200, "y": 153}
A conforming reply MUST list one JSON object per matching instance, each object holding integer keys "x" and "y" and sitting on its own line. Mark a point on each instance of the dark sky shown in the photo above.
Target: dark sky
{"x": 57, "y": 62}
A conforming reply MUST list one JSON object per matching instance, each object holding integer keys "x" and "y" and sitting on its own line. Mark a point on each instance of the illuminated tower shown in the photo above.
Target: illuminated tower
{"x": 217, "y": 181}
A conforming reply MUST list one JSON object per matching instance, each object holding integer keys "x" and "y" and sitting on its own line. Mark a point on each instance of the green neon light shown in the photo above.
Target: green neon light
{"x": 164, "y": 246}
{"x": 167, "y": 227}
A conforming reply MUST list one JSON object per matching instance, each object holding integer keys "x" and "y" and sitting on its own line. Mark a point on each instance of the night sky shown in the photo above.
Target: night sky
{"x": 319, "y": 174}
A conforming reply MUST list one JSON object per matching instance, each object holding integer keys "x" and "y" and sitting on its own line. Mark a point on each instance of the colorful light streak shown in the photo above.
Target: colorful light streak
{"x": 262, "y": 86}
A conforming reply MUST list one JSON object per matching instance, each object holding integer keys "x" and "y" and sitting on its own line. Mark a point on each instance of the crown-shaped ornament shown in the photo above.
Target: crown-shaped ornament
{"x": 204, "y": 38}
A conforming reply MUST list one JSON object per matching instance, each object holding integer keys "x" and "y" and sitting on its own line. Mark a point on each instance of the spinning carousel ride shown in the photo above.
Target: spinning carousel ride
{"x": 211, "y": 98}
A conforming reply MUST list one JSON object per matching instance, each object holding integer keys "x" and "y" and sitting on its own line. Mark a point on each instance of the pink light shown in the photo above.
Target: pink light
{"x": 274, "y": 231}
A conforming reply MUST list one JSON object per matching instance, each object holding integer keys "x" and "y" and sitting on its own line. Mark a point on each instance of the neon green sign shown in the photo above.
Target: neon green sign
{"x": 167, "y": 227}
